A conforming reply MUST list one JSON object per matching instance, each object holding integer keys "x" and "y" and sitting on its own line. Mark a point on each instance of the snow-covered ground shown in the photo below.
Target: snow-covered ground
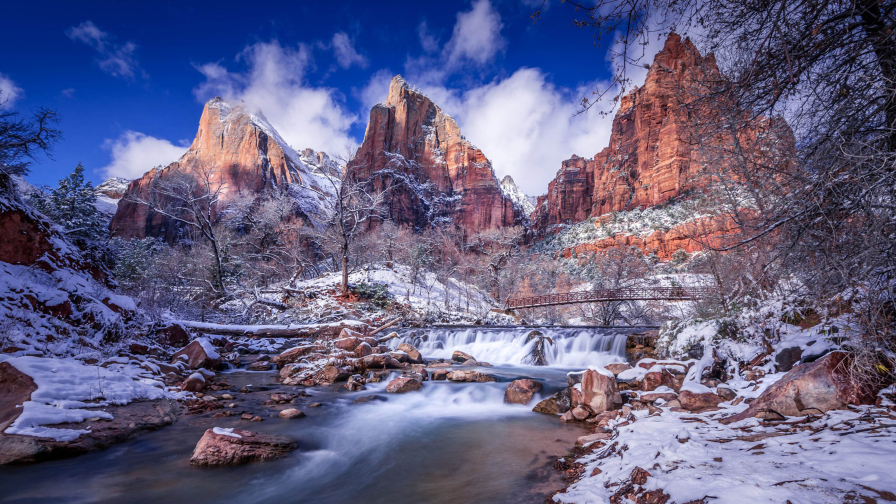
{"x": 691, "y": 456}
{"x": 66, "y": 386}
{"x": 427, "y": 296}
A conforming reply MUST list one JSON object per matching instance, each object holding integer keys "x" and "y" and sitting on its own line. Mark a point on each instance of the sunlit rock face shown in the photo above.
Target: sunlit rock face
{"x": 659, "y": 150}
{"x": 430, "y": 172}
{"x": 246, "y": 157}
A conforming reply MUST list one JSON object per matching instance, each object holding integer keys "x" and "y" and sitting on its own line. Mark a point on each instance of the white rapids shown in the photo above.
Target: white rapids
{"x": 571, "y": 348}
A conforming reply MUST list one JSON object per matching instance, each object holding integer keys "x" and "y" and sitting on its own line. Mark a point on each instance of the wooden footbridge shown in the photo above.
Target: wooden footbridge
{"x": 608, "y": 295}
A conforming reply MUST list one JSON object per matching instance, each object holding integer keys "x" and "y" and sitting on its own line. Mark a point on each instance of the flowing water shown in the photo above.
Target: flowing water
{"x": 449, "y": 443}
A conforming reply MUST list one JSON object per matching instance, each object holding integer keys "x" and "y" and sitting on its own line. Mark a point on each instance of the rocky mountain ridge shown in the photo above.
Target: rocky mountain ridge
{"x": 430, "y": 172}
{"x": 654, "y": 155}
{"x": 242, "y": 154}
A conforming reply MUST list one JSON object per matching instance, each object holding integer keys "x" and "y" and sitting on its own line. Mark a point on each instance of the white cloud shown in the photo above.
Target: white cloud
{"x": 134, "y": 153}
{"x": 477, "y": 35}
{"x": 376, "y": 89}
{"x": 525, "y": 125}
{"x": 345, "y": 52}
{"x": 428, "y": 41}
{"x": 9, "y": 92}
{"x": 118, "y": 60}
{"x": 274, "y": 82}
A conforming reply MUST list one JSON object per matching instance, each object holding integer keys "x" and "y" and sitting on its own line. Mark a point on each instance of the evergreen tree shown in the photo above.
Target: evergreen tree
{"x": 72, "y": 206}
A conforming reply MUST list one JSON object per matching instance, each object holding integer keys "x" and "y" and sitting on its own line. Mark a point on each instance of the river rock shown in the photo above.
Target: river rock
{"x": 291, "y": 413}
{"x": 331, "y": 373}
{"x": 461, "y": 357}
{"x": 194, "y": 383}
{"x": 281, "y": 398}
{"x": 440, "y": 374}
{"x": 698, "y": 401}
{"x": 656, "y": 379}
{"x": 375, "y": 361}
{"x": 822, "y": 385}
{"x": 198, "y": 354}
{"x": 521, "y": 391}
{"x": 414, "y": 356}
{"x": 349, "y": 344}
{"x": 363, "y": 350}
{"x": 617, "y": 367}
{"x": 369, "y": 398}
{"x": 260, "y": 365}
{"x": 294, "y": 354}
{"x": 418, "y": 371}
{"x": 173, "y": 335}
{"x": 581, "y": 412}
{"x": 590, "y": 438}
{"x": 221, "y": 447}
{"x": 726, "y": 393}
{"x": 403, "y": 385}
{"x": 786, "y": 358}
{"x": 599, "y": 391}
{"x": 557, "y": 404}
{"x": 650, "y": 397}
{"x": 462, "y": 375}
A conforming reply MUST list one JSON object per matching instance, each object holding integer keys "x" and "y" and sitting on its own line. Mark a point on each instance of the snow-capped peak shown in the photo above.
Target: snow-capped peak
{"x": 510, "y": 189}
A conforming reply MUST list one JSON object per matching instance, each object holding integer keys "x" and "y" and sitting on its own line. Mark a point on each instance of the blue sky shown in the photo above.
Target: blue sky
{"x": 129, "y": 78}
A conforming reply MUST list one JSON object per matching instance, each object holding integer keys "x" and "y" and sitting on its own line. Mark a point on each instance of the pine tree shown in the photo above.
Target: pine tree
{"x": 72, "y": 206}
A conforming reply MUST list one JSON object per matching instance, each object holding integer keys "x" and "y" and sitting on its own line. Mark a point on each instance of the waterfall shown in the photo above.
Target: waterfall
{"x": 572, "y": 347}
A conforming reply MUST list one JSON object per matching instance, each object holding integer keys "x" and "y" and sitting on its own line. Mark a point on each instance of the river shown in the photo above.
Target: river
{"x": 449, "y": 443}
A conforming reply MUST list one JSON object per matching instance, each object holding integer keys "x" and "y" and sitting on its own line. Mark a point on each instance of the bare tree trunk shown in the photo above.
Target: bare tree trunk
{"x": 345, "y": 267}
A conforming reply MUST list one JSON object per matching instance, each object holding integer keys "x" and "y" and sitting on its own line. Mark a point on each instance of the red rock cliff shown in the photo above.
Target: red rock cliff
{"x": 245, "y": 154}
{"x": 432, "y": 173}
{"x": 654, "y": 155}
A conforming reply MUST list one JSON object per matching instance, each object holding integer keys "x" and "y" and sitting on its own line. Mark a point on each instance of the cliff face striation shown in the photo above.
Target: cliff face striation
{"x": 430, "y": 172}
{"x": 659, "y": 149}
{"x": 241, "y": 153}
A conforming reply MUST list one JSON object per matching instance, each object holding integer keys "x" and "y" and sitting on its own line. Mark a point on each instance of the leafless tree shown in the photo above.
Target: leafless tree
{"x": 355, "y": 207}
{"x": 190, "y": 199}
{"x": 21, "y": 140}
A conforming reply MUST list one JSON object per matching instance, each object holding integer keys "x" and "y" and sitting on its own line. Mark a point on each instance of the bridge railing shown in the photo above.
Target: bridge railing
{"x": 620, "y": 294}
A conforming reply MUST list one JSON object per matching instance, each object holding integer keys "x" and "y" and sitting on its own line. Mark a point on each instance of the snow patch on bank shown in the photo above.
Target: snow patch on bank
{"x": 65, "y": 387}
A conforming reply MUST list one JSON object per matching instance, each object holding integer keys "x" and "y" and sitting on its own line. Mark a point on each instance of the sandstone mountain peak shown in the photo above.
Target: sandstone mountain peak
{"x": 432, "y": 173}
{"x": 652, "y": 157}
{"x": 246, "y": 155}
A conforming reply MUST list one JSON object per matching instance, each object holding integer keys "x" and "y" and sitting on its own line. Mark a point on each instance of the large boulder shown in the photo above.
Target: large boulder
{"x": 698, "y": 401}
{"x": 403, "y": 385}
{"x": 173, "y": 335}
{"x": 295, "y": 354}
{"x": 15, "y": 388}
{"x": 557, "y": 404}
{"x": 348, "y": 344}
{"x": 221, "y": 447}
{"x": 461, "y": 357}
{"x": 823, "y": 385}
{"x": 374, "y": 362}
{"x": 331, "y": 373}
{"x": 198, "y": 354}
{"x": 194, "y": 383}
{"x": 521, "y": 391}
{"x": 599, "y": 391}
{"x": 414, "y": 356}
{"x": 655, "y": 379}
{"x": 461, "y": 375}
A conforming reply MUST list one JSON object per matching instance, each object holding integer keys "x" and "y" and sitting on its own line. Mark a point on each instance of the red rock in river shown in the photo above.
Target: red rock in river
{"x": 521, "y": 391}
{"x": 432, "y": 173}
{"x": 220, "y": 447}
{"x": 247, "y": 155}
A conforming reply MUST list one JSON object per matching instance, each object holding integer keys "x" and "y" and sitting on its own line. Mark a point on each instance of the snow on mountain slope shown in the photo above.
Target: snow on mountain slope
{"x": 512, "y": 191}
